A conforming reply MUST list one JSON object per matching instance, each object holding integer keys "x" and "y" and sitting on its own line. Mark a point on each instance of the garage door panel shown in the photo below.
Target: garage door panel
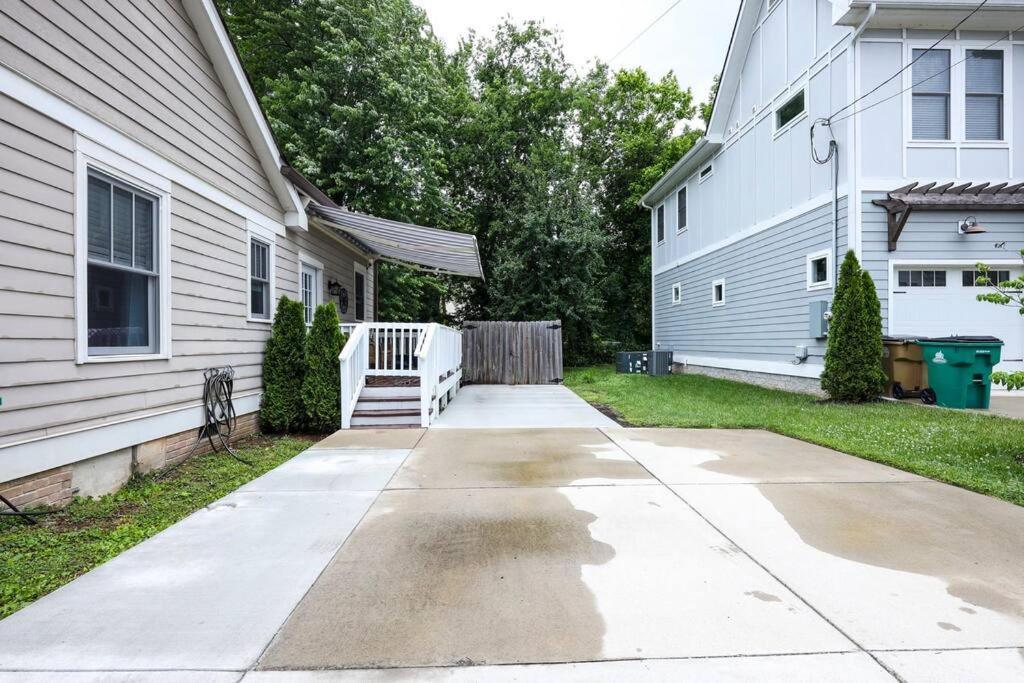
{"x": 928, "y": 304}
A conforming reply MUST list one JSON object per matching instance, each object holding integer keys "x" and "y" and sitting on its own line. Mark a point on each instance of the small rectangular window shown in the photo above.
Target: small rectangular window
{"x": 677, "y": 293}
{"x": 718, "y": 293}
{"x": 706, "y": 172}
{"x": 309, "y": 290}
{"x": 122, "y": 282}
{"x": 681, "y": 210}
{"x": 360, "y": 294}
{"x": 259, "y": 279}
{"x": 793, "y": 108}
{"x": 661, "y": 223}
{"x": 921, "y": 278}
{"x": 970, "y": 277}
{"x": 983, "y": 108}
{"x": 818, "y": 273}
{"x": 930, "y": 97}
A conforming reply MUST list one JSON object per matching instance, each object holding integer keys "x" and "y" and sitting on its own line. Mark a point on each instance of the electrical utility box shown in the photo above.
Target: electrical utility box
{"x": 817, "y": 315}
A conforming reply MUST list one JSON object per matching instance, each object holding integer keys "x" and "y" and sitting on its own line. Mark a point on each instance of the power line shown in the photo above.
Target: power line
{"x": 649, "y": 27}
{"x": 923, "y": 80}
{"x": 911, "y": 63}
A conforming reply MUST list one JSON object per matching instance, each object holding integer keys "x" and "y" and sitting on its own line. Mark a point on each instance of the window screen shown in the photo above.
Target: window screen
{"x": 983, "y": 108}
{"x": 930, "y": 106}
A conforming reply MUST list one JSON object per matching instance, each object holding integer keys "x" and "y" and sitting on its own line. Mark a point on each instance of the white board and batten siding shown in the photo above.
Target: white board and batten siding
{"x": 137, "y": 75}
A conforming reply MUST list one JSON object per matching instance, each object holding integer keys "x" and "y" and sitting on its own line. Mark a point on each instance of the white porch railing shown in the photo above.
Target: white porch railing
{"x": 429, "y": 351}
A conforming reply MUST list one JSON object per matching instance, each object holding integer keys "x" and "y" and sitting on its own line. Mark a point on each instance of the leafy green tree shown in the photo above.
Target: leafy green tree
{"x": 1007, "y": 293}
{"x": 629, "y": 137}
{"x": 321, "y": 388}
{"x": 284, "y": 369}
{"x": 853, "y": 358}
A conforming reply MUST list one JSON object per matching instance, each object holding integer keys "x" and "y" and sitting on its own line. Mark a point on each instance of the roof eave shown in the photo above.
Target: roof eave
{"x": 221, "y": 50}
{"x": 703, "y": 150}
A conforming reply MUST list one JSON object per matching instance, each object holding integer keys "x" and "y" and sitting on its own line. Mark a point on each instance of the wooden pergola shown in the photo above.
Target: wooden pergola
{"x": 948, "y": 197}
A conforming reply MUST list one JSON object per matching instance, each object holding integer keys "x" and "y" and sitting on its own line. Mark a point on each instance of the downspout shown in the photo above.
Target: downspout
{"x": 653, "y": 345}
{"x": 851, "y": 182}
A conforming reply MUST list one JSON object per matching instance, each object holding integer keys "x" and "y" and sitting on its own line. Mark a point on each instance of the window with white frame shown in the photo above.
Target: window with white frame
{"x": 718, "y": 293}
{"x": 970, "y": 277}
{"x": 122, "y": 288}
{"x": 705, "y": 173}
{"x": 819, "y": 271}
{"x": 930, "y": 95}
{"x": 310, "y": 287}
{"x": 793, "y": 108}
{"x": 660, "y": 223}
{"x": 983, "y": 93}
{"x": 681, "y": 210}
{"x": 677, "y": 293}
{"x": 921, "y": 278}
{"x": 260, "y": 286}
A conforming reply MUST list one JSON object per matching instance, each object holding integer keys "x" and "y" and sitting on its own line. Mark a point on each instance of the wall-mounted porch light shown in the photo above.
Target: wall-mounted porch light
{"x": 969, "y": 226}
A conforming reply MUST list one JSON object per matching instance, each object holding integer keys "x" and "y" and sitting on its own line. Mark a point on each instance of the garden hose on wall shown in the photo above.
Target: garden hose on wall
{"x": 218, "y": 414}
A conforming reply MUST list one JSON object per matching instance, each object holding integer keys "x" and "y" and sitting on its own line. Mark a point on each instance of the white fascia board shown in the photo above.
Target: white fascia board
{"x": 735, "y": 57}
{"x": 221, "y": 51}
{"x": 703, "y": 150}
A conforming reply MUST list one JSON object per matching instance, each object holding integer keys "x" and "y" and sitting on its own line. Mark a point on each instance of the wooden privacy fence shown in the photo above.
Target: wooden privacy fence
{"x": 512, "y": 352}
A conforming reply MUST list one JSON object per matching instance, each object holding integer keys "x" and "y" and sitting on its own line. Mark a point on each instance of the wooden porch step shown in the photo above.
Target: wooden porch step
{"x": 403, "y": 412}
{"x": 392, "y": 380}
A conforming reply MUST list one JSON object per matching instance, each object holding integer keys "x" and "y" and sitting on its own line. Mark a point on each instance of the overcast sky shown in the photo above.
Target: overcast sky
{"x": 690, "y": 40}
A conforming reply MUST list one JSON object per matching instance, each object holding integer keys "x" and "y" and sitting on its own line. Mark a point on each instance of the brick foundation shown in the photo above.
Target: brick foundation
{"x": 54, "y": 487}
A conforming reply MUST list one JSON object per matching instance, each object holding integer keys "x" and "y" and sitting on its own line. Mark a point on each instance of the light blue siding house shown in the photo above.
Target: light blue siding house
{"x": 747, "y": 229}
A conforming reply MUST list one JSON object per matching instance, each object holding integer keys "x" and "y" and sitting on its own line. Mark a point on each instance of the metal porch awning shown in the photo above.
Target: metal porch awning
{"x": 429, "y": 249}
{"x": 934, "y": 197}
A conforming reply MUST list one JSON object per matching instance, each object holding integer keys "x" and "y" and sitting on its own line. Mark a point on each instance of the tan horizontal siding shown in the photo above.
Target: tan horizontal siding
{"x": 77, "y": 50}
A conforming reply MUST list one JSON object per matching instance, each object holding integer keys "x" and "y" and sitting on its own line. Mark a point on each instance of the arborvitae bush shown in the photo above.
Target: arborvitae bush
{"x": 322, "y": 387}
{"x": 284, "y": 368}
{"x": 853, "y": 359}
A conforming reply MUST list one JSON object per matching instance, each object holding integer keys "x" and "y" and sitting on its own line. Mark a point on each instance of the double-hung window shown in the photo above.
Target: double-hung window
{"x": 122, "y": 289}
{"x": 983, "y": 105}
{"x": 259, "y": 279}
{"x": 681, "y": 210}
{"x": 310, "y": 286}
{"x": 930, "y": 95}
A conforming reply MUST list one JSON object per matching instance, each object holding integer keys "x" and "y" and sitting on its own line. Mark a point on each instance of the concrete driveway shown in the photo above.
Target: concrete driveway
{"x": 564, "y": 553}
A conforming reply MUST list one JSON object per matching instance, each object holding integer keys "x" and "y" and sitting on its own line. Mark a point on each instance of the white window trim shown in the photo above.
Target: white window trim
{"x": 686, "y": 214}
{"x": 89, "y": 155}
{"x": 701, "y": 176}
{"x": 784, "y": 128}
{"x": 256, "y": 231}
{"x": 677, "y": 294}
{"x": 957, "y": 96}
{"x": 827, "y": 283}
{"x": 714, "y": 285}
{"x": 318, "y": 287}
{"x": 360, "y": 268}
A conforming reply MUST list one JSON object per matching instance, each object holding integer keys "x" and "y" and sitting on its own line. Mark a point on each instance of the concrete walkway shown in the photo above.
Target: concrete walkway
{"x": 493, "y": 405}
{"x": 576, "y": 554}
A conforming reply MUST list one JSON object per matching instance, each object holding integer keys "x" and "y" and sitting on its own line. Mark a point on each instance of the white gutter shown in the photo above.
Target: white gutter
{"x": 700, "y": 152}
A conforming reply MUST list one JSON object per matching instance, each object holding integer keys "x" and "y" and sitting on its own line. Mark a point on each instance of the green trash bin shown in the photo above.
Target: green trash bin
{"x": 960, "y": 369}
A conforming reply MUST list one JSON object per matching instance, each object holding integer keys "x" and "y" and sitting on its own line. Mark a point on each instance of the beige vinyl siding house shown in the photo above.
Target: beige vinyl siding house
{"x": 141, "y": 104}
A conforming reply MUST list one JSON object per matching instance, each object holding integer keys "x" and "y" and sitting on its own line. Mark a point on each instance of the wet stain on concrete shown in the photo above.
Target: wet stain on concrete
{"x": 946, "y": 626}
{"x": 447, "y": 577}
{"x": 763, "y": 597}
{"x": 465, "y": 458}
{"x": 968, "y": 610}
{"x": 965, "y": 539}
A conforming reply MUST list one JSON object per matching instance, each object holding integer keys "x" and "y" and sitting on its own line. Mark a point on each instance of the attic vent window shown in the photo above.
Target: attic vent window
{"x": 789, "y": 111}
{"x": 705, "y": 172}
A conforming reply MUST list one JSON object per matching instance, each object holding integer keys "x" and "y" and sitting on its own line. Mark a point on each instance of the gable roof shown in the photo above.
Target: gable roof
{"x": 221, "y": 51}
{"x": 707, "y": 146}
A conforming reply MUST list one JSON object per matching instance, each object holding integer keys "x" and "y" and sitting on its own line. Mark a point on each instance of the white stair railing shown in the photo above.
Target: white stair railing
{"x": 354, "y": 362}
{"x": 429, "y": 351}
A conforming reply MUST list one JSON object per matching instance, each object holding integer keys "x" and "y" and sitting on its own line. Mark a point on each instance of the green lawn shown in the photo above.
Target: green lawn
{"x": 972, "y": 450}
{"x": 35, "y": 560}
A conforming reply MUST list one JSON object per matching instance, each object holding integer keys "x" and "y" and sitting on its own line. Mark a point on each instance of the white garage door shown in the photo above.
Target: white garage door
{"x": 939, "y": 301}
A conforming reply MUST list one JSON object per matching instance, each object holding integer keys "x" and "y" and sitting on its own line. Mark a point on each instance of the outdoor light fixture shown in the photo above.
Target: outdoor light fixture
{"x": 970, "y": 226}
{"x": 334, "y": 288}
